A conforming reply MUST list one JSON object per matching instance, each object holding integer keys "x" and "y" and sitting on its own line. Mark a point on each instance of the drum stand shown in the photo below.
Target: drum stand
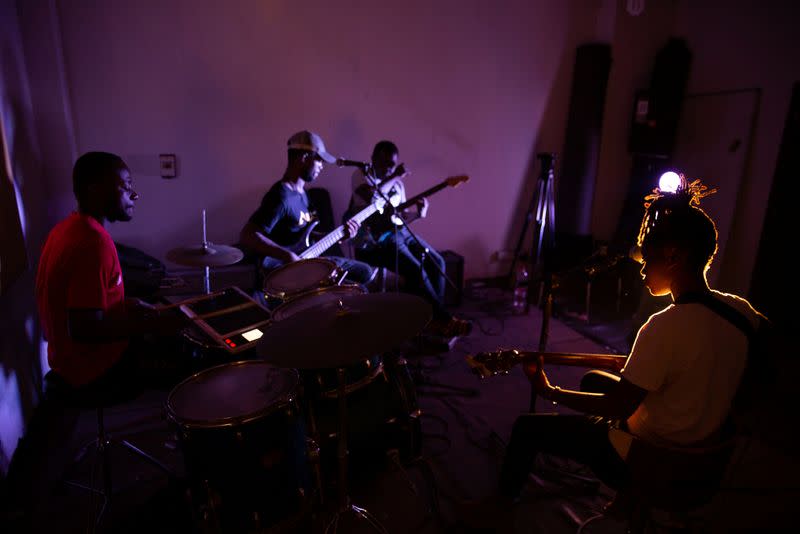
{"x": 345, "y": 506}
{"x": 543, "y": 207}
{"x": 206, "y": 268}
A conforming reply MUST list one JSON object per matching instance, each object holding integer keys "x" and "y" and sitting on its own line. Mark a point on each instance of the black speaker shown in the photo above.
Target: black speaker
{"x": 656, "y": 111}
{"x": 771, "y": 271}
{"x": 454, "y": 268}
{"x": 575, "y": 191}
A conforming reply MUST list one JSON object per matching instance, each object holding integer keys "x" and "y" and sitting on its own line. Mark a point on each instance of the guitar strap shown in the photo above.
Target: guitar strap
{"x": 724, "y": 310}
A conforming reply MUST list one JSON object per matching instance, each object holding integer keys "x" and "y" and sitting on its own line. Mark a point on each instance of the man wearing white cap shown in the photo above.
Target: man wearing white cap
{"x": 281, "y": 219}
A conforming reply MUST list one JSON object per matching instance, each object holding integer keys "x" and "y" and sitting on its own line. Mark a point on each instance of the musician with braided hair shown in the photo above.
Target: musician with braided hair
{"x": 679, "y": 381}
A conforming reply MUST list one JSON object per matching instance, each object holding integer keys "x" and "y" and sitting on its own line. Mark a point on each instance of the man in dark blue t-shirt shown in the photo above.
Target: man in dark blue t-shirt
{"x": 283, "y": 216}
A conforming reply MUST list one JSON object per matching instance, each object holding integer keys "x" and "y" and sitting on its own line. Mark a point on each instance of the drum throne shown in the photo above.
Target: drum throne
{"x": 57, "y": 390}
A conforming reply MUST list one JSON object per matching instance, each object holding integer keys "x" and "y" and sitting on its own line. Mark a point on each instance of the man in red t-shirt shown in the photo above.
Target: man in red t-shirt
{"x": 86, "y": 320}
{"x": 79, "y": 271}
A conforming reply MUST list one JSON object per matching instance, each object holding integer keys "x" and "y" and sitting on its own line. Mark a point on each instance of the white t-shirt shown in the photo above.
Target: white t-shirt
{"x": 396, "y": 195}
{"x": 690, "y": 360}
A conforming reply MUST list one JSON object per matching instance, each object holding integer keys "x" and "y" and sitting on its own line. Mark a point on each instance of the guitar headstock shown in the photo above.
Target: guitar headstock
{"x": 453, "y": 181}
{"x": 487, "y": 364}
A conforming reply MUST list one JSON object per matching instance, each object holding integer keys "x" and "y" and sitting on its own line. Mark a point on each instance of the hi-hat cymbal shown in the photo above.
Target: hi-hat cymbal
{"x": 211, "y": 255}
{"x": 343, "y": 332}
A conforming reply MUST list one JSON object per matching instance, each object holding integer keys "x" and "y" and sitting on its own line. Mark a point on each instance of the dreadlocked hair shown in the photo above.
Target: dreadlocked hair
{"x": 677, "y": 219}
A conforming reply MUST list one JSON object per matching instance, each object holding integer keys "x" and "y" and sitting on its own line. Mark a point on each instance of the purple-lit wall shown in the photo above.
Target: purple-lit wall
{"x": 462, "y": 87}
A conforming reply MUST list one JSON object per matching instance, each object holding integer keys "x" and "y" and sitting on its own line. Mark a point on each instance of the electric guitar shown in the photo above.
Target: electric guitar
{"x": 306, "y": 250}
{"x": 453, "y": 181}
{"x": 381, "y": 228}
{"x": 488, "y": 364}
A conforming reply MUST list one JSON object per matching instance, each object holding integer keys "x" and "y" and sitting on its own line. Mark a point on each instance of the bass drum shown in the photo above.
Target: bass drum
{"x": 244, "y": 445}
{"x": 382, "y": 415}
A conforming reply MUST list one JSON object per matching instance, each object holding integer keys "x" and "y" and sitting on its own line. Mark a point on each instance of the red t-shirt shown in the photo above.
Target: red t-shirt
{"x": 79, "y": 268}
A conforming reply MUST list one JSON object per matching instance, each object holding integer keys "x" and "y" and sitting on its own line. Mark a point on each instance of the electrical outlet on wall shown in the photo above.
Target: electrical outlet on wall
{"x": 168, "y": 165}
{"x": 502, "y": 255}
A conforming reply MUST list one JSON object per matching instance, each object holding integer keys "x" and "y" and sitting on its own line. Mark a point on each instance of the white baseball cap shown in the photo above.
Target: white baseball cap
{"x": 312, "y": 142}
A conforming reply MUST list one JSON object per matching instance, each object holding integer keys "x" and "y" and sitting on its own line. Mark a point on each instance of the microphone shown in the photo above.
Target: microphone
{"x": 350, "y": 163}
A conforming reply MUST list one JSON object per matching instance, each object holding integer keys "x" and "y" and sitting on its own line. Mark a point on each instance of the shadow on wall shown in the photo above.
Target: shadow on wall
{"x": 550, "y": 138}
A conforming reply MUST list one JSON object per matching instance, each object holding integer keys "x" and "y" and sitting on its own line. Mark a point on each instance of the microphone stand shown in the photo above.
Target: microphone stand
{"x": 372, "y": 180}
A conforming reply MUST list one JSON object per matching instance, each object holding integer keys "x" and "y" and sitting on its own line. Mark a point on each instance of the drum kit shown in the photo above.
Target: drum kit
{"x": 255, "y": 433}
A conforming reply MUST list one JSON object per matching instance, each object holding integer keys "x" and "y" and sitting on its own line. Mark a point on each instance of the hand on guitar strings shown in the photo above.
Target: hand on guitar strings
{"x": 351, "y": 228}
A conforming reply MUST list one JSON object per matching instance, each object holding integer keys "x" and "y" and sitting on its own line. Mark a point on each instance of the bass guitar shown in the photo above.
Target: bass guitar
{"x": 382, "y": 228}
{"x": 306, "y": 250}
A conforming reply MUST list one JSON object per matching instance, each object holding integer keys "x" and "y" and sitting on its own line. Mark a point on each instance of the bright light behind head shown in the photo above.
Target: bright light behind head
{"x": 669, "y": 182}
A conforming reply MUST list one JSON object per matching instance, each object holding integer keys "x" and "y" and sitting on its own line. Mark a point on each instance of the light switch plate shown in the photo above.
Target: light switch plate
{"x": 168, "y": 165}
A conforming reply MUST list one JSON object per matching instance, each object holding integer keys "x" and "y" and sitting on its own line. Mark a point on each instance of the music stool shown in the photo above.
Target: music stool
{"x": 667, "y": 484}
{"x": 101, "y": 445}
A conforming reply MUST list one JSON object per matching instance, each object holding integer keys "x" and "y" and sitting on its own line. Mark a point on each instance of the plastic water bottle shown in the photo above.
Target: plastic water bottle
{"x": 519, "y": 301}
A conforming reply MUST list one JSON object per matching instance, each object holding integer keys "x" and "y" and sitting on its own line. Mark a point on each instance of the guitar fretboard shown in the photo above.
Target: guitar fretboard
{"x": 411, "y": 201}
{"x": 336, "y": 235}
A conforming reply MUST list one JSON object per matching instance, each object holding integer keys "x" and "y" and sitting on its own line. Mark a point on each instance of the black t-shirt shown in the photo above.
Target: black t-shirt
{"x": 283, "y": 214}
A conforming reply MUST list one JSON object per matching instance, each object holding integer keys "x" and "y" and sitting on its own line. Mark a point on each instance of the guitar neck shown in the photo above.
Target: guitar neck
{"x": 336, "y": 235}
{"x": 488, "y": 364}
{"x": 614, "y": 362}
{"x": 428, "y": 192}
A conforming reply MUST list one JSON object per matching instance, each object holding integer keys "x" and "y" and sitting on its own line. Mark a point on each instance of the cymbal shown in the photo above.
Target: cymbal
{"x": 343, "y": 332}
{"x": 211, "y": 255}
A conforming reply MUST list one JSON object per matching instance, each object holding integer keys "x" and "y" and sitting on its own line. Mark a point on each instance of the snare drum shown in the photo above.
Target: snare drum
{"x": 243, "y": 443}
{"x": 293, "y": 279}
{"x": 313, "y": 298}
